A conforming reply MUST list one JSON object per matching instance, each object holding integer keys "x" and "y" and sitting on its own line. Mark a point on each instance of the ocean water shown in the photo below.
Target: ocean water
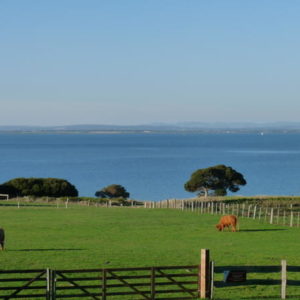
{"x": 153, "y": 166}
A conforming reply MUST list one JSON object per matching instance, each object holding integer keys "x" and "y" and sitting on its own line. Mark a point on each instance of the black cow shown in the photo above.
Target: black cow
{"x": 2, "y": 238}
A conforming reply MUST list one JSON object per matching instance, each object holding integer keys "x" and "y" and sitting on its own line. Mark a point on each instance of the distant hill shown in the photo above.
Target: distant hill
{"x": 214, "y": 127}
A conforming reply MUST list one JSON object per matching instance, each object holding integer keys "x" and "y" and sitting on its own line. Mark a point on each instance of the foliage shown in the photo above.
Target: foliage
{"x": 7, "y": 189}
{"x": 218, "y": 179}
{"x": 113, "y": 191}
{"x": 52, "y": 187}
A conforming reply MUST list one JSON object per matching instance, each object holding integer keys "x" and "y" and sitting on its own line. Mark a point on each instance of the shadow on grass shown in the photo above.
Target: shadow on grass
{"x": 257, "y": 230}
{"x": 70, "y": 249}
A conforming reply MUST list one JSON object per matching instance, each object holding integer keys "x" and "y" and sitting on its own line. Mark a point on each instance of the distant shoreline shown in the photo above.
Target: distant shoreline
{"x": 187, "y": 131}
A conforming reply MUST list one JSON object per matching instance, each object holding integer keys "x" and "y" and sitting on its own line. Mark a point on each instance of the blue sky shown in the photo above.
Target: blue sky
{"x": 134, "y": 62}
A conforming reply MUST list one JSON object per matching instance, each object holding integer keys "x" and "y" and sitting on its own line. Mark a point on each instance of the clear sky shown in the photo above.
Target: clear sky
{"x": 140, "y": 61}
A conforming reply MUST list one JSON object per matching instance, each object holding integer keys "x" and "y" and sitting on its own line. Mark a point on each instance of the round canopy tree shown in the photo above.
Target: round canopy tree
{"x": 113, "y": 191}
{"x": 218, "y": 179}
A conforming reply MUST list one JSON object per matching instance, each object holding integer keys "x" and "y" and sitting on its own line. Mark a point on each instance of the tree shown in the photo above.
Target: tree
{"x": 218, "y": 179}
{"x": 113, "y": 191}
{"x": 52, "y": 187}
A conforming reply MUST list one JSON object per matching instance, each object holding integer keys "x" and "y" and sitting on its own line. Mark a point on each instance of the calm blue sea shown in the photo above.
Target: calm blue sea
{"x": 153, "y": 166}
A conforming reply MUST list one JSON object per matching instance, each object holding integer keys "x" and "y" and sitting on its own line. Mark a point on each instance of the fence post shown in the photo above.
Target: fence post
{"x": 249, "y": 208}
{"x": 103, "y": 284}
{"x": 152, "y": 283}
{"x": 243, "y": 209}
{"x": 254, "y": 212}
{"x": 271, "y": 216}
{"x": 292, "y": 219}
{"x": 283, "y": 279}
{"x": 212, "y": 269}
{"x": 204, "y": 274}
{"x": 48, "y": 292}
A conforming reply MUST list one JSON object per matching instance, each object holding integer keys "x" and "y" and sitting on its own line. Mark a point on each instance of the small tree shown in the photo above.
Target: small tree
{"x": 218, "y": 178}
{"x": 113, "y": 191}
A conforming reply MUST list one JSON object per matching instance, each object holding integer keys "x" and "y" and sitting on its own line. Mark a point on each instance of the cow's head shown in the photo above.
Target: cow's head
{"x": 219, "y": 227}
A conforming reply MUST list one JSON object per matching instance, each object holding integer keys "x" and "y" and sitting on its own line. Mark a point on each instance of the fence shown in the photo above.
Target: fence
{"x": 278, "y": 215}
{"x": 162, "y": 282}
{"x": 281, "y": 273}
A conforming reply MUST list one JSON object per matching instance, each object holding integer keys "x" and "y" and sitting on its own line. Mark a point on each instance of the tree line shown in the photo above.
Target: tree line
{"x": 216, "y": 180}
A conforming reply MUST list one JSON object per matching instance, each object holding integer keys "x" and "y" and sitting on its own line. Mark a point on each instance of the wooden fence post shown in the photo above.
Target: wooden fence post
{"x": 212, "y": 269}
{"x": 254, "y": 212}
{"x": 152, "y": 283}
{"x": 283, "y": 279}
{"x": 271, "y": 216}
{"x": 48, "y": 292}
{"x": 249, "y": 208}
{"x": 292, "y": 219}
{"x": 204, "y": 274}
{"x": 104, "y": 284}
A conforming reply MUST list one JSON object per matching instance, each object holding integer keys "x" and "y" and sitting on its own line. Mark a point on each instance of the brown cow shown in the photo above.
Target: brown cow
{"x": 2, "y": 237}
{"x": 227, "y": 221}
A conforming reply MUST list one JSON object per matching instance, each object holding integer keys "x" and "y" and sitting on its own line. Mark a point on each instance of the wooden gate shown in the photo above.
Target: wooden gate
{"x": 150, "y": 283}
{"x": 175, "y": 282}
{"x": 28, "y": 284}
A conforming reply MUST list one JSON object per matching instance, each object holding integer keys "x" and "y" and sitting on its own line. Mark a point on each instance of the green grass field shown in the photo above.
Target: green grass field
{"x": 95, "y": 237}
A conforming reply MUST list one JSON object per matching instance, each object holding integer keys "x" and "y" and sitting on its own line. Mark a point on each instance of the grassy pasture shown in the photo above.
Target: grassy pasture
{"x": 96, "y": 237}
